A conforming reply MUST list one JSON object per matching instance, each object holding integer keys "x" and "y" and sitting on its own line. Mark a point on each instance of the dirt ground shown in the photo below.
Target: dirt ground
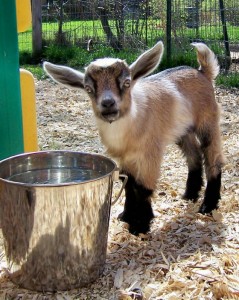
{"x": 186, "y": 255}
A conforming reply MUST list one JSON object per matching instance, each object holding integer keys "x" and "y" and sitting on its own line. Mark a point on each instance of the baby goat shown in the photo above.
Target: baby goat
{"x": 138, "y": 116}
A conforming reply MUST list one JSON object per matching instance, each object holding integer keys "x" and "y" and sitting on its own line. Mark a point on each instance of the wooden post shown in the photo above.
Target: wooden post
{"x": 225, "y": 35}
{"x": 36, "y": 27}
{"x": 224, "y": 27}
{"x": 168, "y": 30}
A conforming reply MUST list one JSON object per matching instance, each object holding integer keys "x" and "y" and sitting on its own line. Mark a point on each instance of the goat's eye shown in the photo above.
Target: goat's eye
{"x": 88, "y": 89}
{"x": 127, "y": 83}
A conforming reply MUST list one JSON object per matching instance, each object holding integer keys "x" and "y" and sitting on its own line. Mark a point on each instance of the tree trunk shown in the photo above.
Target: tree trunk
{"x": 119, "y": 20}
{"x": 113, "y": 41}
{"x": 225, "y": 35}
{"x": 60, "y": 17}
{"x": 36, "y": 27}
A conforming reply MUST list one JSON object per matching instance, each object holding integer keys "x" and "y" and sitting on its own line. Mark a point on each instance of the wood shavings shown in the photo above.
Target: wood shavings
{"x": 119, "y": 277}
{"x": 186, "y": 256}
{"x": 217, "y": 216}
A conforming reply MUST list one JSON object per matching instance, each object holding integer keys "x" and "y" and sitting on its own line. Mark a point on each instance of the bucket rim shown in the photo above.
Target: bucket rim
{"x": 46, "y": 152}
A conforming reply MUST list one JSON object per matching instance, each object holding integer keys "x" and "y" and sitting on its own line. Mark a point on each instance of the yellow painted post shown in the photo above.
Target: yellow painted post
{"x": 28, "y": 98}
{"x": 28, "y": 111}
{"x": 24, "y": 16}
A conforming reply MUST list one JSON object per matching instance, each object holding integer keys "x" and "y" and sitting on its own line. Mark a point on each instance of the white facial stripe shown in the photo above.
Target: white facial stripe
{"x": 106, "y": 62}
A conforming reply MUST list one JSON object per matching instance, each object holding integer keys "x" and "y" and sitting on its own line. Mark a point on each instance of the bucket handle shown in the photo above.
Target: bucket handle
{"x": 116, "y": 177}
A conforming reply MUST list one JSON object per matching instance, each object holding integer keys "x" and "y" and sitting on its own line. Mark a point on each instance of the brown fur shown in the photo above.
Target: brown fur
{"x": 139, "y": 116}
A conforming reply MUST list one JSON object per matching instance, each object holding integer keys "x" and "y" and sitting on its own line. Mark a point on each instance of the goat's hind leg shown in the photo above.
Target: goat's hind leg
{"x": 137, "y": 212}
{"x": 191, "y": 149}
{"x": 211, "y": 147}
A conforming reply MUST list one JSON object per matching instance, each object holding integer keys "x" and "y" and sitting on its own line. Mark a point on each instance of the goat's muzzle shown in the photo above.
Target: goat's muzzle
{"x": 109, "y": 110}
{"x": 110, "y": 115}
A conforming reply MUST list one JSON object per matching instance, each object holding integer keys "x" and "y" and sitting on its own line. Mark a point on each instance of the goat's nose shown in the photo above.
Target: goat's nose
{"x": 108, "y": 102}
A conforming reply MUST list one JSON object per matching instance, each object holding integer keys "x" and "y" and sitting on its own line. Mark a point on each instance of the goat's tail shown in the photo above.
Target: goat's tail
{"x": 207, "y": 61}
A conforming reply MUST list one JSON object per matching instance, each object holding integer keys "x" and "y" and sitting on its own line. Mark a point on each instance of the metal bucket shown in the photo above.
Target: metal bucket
{"x": 54, "y": 214}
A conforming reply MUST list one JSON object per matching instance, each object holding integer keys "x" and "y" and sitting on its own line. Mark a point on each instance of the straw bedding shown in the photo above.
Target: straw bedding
{"x": 186, "y": 255}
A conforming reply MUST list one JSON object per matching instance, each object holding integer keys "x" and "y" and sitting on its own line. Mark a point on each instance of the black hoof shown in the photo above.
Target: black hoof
{"x": 212, "y": 195}
{"x": 194, "y": 184}
{"x": 136, "y": 229}
{"x": 137, "y": 225}
{"x": 138, "y": 211}
{"x": 207, "y": 209}
{"x": 123, "y": 217}
{"x": 190, "y": 196}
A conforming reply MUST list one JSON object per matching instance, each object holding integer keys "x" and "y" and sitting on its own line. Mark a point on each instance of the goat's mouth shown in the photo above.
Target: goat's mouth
{"x": 110, "y": 116}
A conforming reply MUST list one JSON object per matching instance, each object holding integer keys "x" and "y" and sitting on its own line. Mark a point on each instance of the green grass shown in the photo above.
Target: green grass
{"x": 84, "y": 58}
{"x": 72, "y": 56}
{"x": 78, "y": 57}
{"x": 228, "y": 80}
{"x": 83, "y": 30}
{"x": 36, "y": 70}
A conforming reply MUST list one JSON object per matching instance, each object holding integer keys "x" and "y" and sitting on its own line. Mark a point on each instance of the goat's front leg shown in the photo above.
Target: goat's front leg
{"x": 138, "y": 211}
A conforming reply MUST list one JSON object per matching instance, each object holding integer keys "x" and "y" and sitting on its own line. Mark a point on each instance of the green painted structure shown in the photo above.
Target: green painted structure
{"x": 11, "y": 129}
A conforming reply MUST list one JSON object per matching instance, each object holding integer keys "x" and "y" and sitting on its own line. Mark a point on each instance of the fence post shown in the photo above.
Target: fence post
{"x": 224, "y": 27}
{"x": 146, "y": 22}
{"x": 36, "y": 27}
{"x": 168, "y": 31}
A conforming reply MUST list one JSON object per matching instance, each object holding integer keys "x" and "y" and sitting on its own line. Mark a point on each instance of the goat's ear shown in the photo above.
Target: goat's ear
{"x": 147, "y": 62}
{"x": 65, "y": 75}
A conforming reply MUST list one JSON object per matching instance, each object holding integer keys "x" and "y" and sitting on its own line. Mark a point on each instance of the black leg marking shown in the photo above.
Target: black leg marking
{"x": 212, "y": 195}
{"x": 137, "y": 212}
{"x": 194, "y": 184}
{"x": 191, "y": 149}
{"x": 213, "y": 159}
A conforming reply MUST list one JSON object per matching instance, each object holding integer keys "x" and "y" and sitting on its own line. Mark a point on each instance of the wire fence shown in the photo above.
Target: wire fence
{"x": 137, "y": 24}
